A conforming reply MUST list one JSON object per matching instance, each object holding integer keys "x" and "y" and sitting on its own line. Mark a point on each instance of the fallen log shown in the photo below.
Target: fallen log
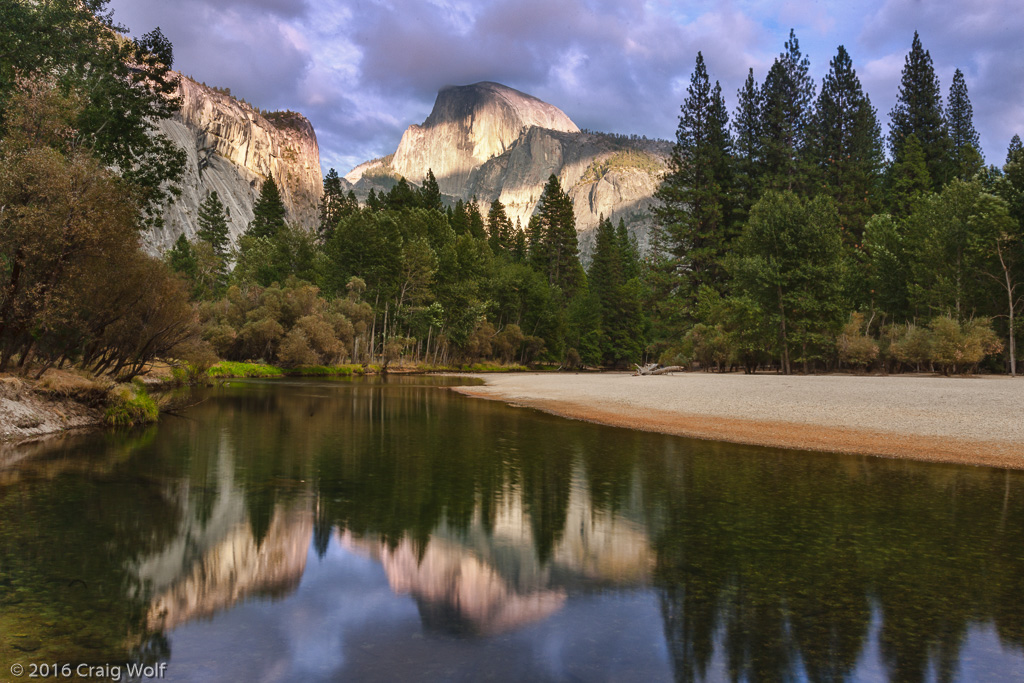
{"x": 656, "y": 369}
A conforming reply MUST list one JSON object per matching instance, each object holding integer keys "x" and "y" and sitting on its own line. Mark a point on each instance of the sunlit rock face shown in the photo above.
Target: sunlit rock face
{"x": 232, "y": 149}
{"x": 492, "y": 142}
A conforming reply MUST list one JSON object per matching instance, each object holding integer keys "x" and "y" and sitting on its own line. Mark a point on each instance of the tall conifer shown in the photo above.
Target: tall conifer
{"x": 845, "y": 146}
{"x": 787, "y": 99}
{"x": 693, "y": 228}
{"x": 918, "y": 112}
{"x": 213, "y": 224}
{"x": 268, "y": 212}
{"x": 747, "y": 147}
{"x": 963, "y": 138}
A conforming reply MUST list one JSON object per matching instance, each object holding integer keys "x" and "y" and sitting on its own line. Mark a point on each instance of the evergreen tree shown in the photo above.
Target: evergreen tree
{"x": 268, "y": 212}
{"x": 692, "y": 229}
{"x": 963, "y": 138}
{"x": 557, "y": 226}
{"x": 476, "y": 221}
{"x": 1014, "y": 149}
{"x": 330, "y": 204}
{"x": 181, "y": 258}
{"x": 790, "y": 264}
{"x": 499, "y": 228}
{"x": 918, "y": 111}
{"x": 908, "y": 178}
{"x": 213, "y": 224}
{"x": 460, "y": 218}
{"x": 430, "y": 193}
{"x": 629, "y": 251}
{"x": 787, "y": 99}
{"x": 747, "y": 147}
{"x": 618, "y": 305}
{"x": 845, "y": 146}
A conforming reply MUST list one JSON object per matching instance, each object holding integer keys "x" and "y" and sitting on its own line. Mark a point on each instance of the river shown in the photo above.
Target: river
{"x": 389, "y": 529}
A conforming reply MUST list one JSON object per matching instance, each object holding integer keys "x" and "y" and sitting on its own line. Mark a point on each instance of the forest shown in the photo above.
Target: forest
{"x": 790, "y": 236}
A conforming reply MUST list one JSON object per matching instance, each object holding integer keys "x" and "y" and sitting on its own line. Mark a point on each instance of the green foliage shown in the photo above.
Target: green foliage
{"x": 918, "y": 112}
{"x": 268, "y": 212}
{"x": 963, "y": 138}
{"x": 845, "y": 147}
{"x": 789, "y": 264}
{"x": 122, "y": 87}
{"x": 128, "y": 405}
{"x": 855, "y": 347}
{"x": 555, "y": 250}
{"x": 693, "y": 230}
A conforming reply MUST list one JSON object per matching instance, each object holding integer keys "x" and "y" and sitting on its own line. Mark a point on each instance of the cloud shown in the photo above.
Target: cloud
{"x": 363, "y": 71}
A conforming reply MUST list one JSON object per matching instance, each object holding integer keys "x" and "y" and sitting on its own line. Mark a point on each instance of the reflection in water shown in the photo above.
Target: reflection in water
{"x": 546, "y": 549}
{"x": 215, "y": 559}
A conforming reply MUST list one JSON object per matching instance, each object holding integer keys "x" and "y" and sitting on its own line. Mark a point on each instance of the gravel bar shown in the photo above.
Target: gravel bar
{"x": 973, "y": 420}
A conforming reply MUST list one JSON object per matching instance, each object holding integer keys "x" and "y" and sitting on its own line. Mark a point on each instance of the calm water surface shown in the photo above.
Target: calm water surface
{"x": 394, "y": 530}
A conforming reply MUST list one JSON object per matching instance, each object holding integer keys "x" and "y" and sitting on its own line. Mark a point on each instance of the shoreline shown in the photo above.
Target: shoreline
{"x": 926, "y": 419}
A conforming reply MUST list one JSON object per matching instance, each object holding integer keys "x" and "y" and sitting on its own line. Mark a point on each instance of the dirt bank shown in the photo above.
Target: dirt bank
{"x": 965, "y": 420}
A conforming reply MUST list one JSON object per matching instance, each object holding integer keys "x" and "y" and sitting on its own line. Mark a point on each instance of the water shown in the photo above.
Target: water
{"x": 394, "y": 530}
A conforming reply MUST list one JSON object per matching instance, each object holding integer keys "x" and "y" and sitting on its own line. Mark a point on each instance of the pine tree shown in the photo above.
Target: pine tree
{"x": 629, "y": 251}
{"x": 963, "y": 138}
{"x": 845, "y": 146}
{"x": 476, "y": 221}
{"x": 213, "y": 224}
{"x": 787, "y": 99}
{"x": 182, "y": 259}
{"x": 329, "y": 203}
{"x": 1014, "y": 149}
{"x": 918, "y": 111}
{"x": 430, "y": 193}
{"x": 747, "y": 143}
{"x": 268, "y": 212}
{"x": 692, "y": 229}
{"x": 499, "y": 228}
{"x": 908, "y": 178}
{"x": 618, "y": 305}
{"x": 557, "y": 225}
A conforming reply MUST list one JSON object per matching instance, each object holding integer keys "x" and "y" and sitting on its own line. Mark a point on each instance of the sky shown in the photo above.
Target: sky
{"x": 364, "y": 70}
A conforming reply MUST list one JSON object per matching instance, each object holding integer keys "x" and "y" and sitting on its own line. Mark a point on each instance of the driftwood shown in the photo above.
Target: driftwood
{"x": 656, "y": 369}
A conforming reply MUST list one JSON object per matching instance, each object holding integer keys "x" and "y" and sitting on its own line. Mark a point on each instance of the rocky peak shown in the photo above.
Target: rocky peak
{"x": 468, "y": 125}
{"x": 233, "y": 148}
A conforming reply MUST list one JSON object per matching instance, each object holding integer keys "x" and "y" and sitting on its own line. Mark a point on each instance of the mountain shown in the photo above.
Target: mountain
{"x": 490, "y": 141}
{"x": 233, "y": 148}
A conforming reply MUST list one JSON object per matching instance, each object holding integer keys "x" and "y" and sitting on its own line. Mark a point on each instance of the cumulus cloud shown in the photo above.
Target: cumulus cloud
{"x": 363, "y": 71}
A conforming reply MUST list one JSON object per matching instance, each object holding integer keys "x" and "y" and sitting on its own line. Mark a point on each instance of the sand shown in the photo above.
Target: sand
{"x": 976, "y": 420}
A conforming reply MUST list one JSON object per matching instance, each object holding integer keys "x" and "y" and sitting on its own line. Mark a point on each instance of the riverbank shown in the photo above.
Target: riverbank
{"x": 963, "y": 420}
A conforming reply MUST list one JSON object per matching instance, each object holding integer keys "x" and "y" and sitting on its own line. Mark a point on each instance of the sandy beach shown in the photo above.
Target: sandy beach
{"x": 977, "y": 420}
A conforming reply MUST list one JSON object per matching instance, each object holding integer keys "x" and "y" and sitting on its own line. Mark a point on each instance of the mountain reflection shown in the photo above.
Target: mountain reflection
{"x": 762, "y": 564}
{"x": 214, "y": 559}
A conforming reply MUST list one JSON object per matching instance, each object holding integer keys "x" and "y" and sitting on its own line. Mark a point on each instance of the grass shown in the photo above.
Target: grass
{"x": 226, "y": 369}
{"x": 130, "y": 405}
{"x": 232, "y": 369}
{"x": 471, "y": 367}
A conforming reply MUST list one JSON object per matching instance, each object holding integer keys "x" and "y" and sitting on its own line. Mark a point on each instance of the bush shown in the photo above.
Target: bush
{"x": 855, "y": 347}
{"x": 130, "y": 405}
{"x": 957, "y": 348}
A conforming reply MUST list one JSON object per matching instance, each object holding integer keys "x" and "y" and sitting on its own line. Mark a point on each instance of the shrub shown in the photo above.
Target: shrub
{"x": 130, "y": 405}
{"x": 957, "y": 348}
{"x": 855, "y": 347}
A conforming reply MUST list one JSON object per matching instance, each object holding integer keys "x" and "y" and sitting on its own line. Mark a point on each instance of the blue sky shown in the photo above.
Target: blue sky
{"x": 363, "y": 70}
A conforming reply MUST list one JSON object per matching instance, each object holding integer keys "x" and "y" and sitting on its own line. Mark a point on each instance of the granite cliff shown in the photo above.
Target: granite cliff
{"x": 493, "y": 142}
{"x": 233, "y": 148}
